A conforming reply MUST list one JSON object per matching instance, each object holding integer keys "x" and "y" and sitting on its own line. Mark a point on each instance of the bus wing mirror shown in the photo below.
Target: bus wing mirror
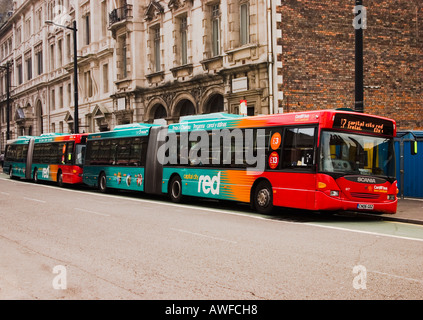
{"x": 413, "y": 147}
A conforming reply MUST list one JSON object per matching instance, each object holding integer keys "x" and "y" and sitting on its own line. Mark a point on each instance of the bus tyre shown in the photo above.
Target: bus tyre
{"x": 102, "y": 183}
{"x": 263, "y": 197}
{"x": 175, "y": 189}
{"x": 36, "y": 176}
{"x": 60, "y": 179}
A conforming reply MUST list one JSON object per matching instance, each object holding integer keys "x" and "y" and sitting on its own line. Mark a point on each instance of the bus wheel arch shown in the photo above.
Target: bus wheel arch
{"x": 175, "y": 188}
{"x": 102, "y": 182}
{"x": 261, "y": 196}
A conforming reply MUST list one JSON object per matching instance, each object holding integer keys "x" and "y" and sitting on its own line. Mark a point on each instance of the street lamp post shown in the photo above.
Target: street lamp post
{"x": 359, "y": 96}
{"x": 75, "y": 70}
{"x": 7, "y": 68}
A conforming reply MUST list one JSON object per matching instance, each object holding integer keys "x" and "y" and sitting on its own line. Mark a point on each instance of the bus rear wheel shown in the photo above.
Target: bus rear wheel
{"x": 263, "y": 197}
{"x": 102, "y": 183}
{"x": 35, "y": 177}
{"x": 175, "y": 189}
{"x": 60, "y": 179}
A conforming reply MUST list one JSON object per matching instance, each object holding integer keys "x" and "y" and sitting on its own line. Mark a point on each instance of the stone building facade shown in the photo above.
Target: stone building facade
{"x": 154, "y": 61}
{"x": 138, "y": 61}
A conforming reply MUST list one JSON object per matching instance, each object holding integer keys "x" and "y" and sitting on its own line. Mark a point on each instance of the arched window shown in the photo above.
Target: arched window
{"x": 214, "y": 104}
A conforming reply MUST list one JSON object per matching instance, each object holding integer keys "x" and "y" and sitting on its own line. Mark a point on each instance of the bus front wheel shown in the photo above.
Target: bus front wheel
{"x": 175, "y": 189}
{"x": 263, "y": 197}
{"x": 102, "y": 183}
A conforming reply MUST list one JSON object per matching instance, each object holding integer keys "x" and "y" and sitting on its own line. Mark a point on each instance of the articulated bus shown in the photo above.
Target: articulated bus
{"x": 49, "y": 157}
{"x": 327, "y": 160}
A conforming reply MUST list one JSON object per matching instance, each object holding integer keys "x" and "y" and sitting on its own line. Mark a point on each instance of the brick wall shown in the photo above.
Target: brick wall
{"x": 318, "y": 57}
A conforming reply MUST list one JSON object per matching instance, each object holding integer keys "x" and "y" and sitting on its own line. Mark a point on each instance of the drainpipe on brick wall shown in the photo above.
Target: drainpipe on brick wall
{"x": 270, "y": 54}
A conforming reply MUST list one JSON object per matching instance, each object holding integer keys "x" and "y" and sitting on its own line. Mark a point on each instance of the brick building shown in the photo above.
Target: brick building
{"x": 318, "y": 57}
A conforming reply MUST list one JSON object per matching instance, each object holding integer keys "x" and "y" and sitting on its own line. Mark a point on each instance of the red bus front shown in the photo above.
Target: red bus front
{"x": 356, "y": 171}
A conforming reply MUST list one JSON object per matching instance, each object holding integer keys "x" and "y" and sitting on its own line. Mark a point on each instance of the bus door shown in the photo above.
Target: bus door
{"x": 297, "y": 183}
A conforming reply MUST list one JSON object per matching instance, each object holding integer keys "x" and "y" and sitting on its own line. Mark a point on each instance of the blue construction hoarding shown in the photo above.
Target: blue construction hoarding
{"x": 409, "y": 167}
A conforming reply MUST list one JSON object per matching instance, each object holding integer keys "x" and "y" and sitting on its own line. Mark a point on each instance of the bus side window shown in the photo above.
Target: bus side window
{"x": 298, "y": 149}
{"x": 69, "y": 153}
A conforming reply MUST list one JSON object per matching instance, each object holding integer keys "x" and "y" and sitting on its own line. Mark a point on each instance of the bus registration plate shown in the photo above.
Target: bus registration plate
{"x": 364, "y": 206}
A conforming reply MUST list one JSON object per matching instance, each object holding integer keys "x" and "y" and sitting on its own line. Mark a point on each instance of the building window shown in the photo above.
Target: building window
{"x": 60, "y": 97}
{"x": 68, "y": 48}
{"x": 87, "y": 29}
{"x": 88, "y": 84}
{"x": 27, "y": 28}
{"x": 52, "y": 57}
{"x": 244, "y": 24}
{"x": 69, "y": 94}
{"x": 60, "y": 52}
{"x": 39, "y": 61}
{"x": 29, "y": 68}
{"x": 18, "y": 36}
{"x": 122, "y": 65}
{"x": 157, "y": 49}
{"x": 52, "y": 100}
{"x": 215, "y": 30}
{"x": 38, "y": 19}
{"x": 104, "y": 15}
{"x": 105, "y": 78}
{"x": 19, "y": 71}
{"x": 184, "y": 40}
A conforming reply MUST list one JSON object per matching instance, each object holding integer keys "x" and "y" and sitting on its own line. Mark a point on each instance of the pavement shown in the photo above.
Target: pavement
{"x": 410, "y": 210}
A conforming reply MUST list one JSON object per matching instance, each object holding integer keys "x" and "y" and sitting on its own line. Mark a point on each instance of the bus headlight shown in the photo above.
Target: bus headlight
{"x": 391, "y": 197}
{"x": 334, "y": 193}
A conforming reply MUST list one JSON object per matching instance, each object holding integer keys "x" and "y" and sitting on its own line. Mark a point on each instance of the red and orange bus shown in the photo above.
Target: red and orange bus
{"x": 327, "y": 160}
{"x": 49, "y": 157}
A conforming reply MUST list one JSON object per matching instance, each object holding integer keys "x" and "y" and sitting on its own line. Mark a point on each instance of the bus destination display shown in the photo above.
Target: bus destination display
{"x": 363, "y": 124}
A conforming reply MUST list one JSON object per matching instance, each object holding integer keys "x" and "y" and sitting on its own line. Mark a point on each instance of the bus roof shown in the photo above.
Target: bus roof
{"x": 57, "y": 137}
{"x": 210, "y": 116}
{"x": 330, "y": 118}
{"x": 126, "y": 130}
{"x": 20, "y": 140}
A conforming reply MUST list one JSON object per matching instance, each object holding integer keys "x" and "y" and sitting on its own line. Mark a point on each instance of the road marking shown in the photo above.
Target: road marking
{"x": 93, "y": 212}
{"x": 395, "y": 276}
{"x": 363, "y": 231}
{"x": 252, "y": 216}
{"x": 5, "y": 193}
{"x": 36, "y": 200}
{"x": 202, "y": 235}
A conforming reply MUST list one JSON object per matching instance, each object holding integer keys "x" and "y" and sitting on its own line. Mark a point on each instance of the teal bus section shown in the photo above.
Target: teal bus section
{"x": 116, "y": 159}
{"x": 15, "y": 162}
